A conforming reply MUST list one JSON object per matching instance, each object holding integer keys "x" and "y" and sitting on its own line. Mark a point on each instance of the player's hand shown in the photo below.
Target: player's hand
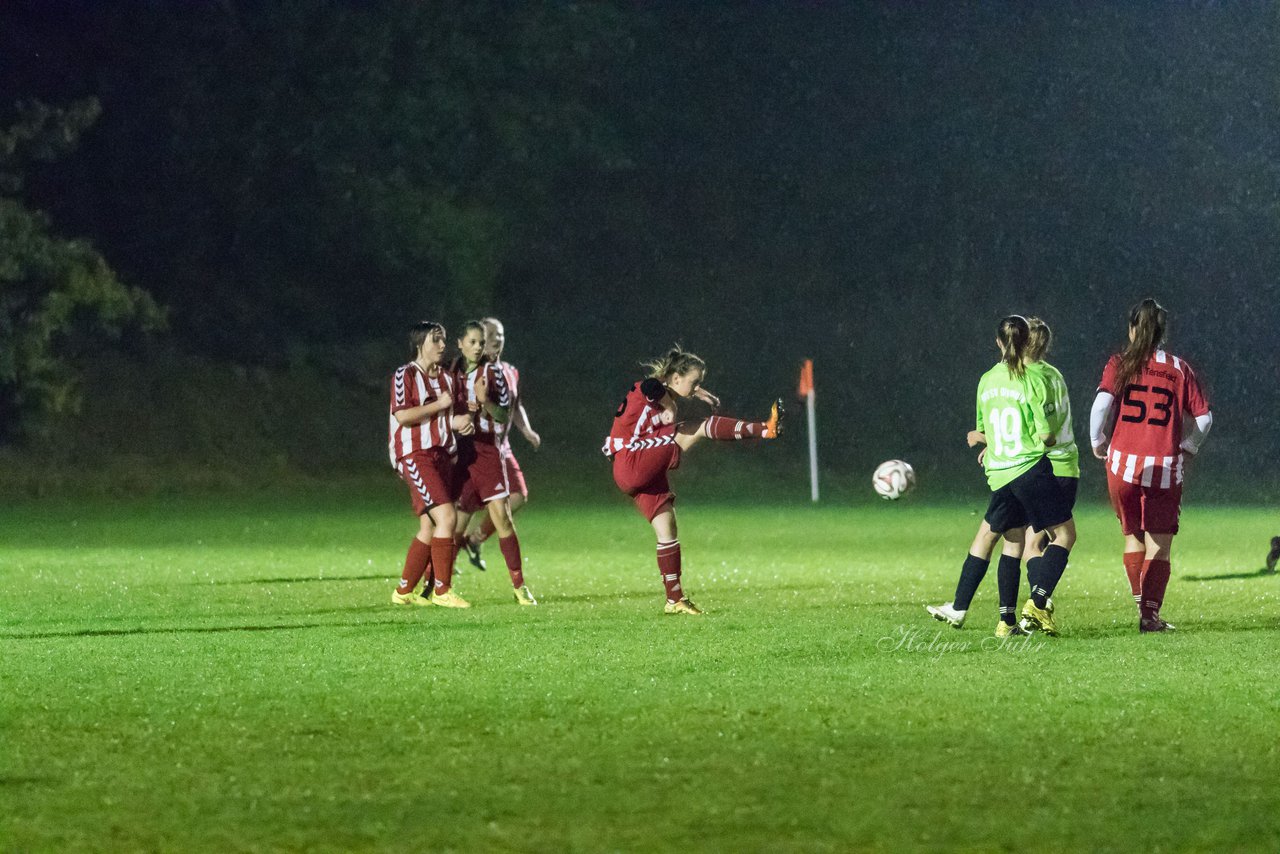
{"x": 533, "y": 438}
{"x": 1100, "y": 452}
{"x": 473, "y": 406}
{"x": 704, "y": 395}
{"x": 667, "y": 417}
{"x": 445, "y": 399}
{"x": 482, "y": 390}
{"x": 982, "y": 455}
{"x": 975, "y": 438}
{"x": 463, "y": 425}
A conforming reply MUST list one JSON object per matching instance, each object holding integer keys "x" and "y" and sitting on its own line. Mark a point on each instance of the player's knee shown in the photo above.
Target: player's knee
{"x": 1065, "y": 535}
{"x": 502, "y": 523}
{"x": 984, "y": 543}
{"x": 444, "y": 516}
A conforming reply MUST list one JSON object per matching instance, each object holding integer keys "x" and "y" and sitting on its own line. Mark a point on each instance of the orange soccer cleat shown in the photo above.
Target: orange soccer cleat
{"x": 773, "y": 427}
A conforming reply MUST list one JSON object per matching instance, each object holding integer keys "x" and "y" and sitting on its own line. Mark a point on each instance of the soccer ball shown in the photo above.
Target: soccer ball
{"x": 893, "y": 479}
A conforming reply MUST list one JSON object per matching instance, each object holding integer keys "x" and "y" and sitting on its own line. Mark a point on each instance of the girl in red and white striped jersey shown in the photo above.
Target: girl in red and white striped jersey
{"x": 660, "y": 417}
{"x": 482, "y": 479}
{"x": 1144, "y": 457}
{"x": 495, "y": 340}
{"x": 425, "y": 418}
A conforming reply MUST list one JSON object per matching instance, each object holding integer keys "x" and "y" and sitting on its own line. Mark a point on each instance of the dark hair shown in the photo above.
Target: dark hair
{"x": 677, "y": 361}
{"x": 419, "y": 332}
{"x": 1013, "y": 332}
{"x": 459, "y": 362}
{"x": 1040, "y": 339}
{"x": 468, "y": 326}
{"x": 1148, "y": 320}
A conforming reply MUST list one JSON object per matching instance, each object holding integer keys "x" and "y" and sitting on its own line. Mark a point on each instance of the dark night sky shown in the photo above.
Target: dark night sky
{"x": 870, "y": 185}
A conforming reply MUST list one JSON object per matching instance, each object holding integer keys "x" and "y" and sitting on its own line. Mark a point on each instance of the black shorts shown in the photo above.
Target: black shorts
{"x": 1036, "y": 498}
{"x": 1068, "y": 486}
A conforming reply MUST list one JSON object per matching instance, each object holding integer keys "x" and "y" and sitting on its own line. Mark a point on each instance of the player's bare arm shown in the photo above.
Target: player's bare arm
{"x": 418, "y": 414}
{"x": 463, "y": 424}
{"x": 708, "y": 397}
{"x": 521, "y": 420}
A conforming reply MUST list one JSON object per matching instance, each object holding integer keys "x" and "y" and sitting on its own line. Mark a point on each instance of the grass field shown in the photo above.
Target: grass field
{"x": 227, "y": 676}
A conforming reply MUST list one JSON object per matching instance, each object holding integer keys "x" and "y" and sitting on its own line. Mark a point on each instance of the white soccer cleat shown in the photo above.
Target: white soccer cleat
{"x": 947, "y": 614}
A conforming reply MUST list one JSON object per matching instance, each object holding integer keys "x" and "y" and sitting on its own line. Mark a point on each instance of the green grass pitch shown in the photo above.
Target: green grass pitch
{"x": 228, "y": 676}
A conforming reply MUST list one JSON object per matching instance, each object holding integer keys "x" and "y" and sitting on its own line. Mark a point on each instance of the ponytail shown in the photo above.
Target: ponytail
{"x": 1013, "y": 334}
{"x": 1147, "y": 321}
{"x": 675, "y": 361}
{"x": 1040, "y": 339}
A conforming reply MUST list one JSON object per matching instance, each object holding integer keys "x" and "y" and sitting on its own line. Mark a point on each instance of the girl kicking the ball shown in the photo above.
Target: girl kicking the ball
{"x": 1144, "y": 456}
{"x": 661, "y": 417}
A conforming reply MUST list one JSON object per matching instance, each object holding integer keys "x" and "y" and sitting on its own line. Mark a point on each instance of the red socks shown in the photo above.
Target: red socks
{"x": 415, "y": 565}
{"x": 1155, "y": 577}
{"x": 730, "y": 429}
{"x": 669, "y": 566}
{"x": 511, "y": 554}
{"x": 442, "y": 554}
{"x": 1133, "y": 562}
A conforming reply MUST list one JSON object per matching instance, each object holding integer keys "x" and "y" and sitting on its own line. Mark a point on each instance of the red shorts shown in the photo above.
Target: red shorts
{"x": 515, "y": 477}
{"x": 429, "y": 476}
{"x": 1145, "y": 508}
{"x": 642, "y": 474}
{"x": 480, "y": 474}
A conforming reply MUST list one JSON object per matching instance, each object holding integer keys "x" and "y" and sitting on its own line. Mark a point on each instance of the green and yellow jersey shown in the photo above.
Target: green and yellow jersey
{"x": 1064, "y": 455}
{"x": 1011, "y": 413}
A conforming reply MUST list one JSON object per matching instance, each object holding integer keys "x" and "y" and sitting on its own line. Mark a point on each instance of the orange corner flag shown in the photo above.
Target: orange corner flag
{"x": 806, "y": 379}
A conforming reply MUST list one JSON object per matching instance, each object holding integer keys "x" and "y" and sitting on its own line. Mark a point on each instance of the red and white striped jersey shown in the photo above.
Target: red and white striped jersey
{"x": 512, "y": 378}
{"x": 487, "y": 430}
{"x": 1146, "y": 442}
{"x": 411, "y": 387}
{"x": 637, "y": 423}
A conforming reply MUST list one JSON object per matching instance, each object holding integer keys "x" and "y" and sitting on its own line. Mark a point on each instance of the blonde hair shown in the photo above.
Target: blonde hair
{"x": 1039, "y": 340}
{"x": 676, "y": 361}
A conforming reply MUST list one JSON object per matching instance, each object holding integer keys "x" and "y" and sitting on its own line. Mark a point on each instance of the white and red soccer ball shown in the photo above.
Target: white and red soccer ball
{"x": 893, "y": 479}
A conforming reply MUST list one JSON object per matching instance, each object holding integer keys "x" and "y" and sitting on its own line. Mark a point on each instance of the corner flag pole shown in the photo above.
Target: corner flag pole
{"x": 805, "y": 391}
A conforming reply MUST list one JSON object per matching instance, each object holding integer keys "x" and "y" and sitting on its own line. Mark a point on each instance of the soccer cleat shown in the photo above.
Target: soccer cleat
{"x": 473, "y": 555}
{"x": 1037, "y": 619}
{"x": 1148, "y": 625}
{"x": 449, "y": 600}
{"x": 1005, "y": 630}
{"x": 684, "y": 606}
{"x": 773, "y": 427}
{"x": 524, "y": 595}
{"x": 947, "y": 613}
{"x": 409, "y": 598}
{"x": 1274, "y": 554}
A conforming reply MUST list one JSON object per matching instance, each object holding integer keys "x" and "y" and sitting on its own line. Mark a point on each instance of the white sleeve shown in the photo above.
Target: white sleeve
{"x": 1099, "y": 418}
{"x": 1191, "y": 444}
